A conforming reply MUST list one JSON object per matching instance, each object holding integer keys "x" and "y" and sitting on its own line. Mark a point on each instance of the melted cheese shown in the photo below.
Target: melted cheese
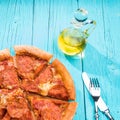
{"x": 9, "y": 87}
{"x": 2, "y": 67}
{"x": 6, "y": 98}
{"x": 10, "y": 63}
{"x": 3, "y": 99}
{"x": 45, "y": 87}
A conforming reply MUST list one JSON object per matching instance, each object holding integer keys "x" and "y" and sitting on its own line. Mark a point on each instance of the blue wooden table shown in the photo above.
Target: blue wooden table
{"x": 39, "y": 22}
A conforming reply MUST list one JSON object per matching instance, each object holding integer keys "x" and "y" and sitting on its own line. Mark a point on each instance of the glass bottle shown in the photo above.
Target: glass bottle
{"x": 72, "y": 40}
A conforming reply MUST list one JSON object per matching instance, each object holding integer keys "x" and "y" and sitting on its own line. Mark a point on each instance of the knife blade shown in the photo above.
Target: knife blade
{"x": 100, "y": 103}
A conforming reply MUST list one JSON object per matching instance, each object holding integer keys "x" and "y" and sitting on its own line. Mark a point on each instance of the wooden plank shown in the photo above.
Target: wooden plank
{"x": 101, "y": 54}
{"x": 94, "y": 50}
{"x": 16, "y": 17}
{"x": 112, "y": 83}
{"x": 41, "y": 23}
{"x": 61, "y": 13}
{"x": 3, "y": 19}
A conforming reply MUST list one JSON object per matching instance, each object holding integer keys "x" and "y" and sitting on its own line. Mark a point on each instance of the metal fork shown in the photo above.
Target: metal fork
{"x": 95, "y": 92}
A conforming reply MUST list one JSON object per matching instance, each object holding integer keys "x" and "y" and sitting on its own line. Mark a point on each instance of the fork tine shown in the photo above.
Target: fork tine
{"x": 98, "y": 85}
{"x": 94, "y": 82}
{"x": 91, "y": 82}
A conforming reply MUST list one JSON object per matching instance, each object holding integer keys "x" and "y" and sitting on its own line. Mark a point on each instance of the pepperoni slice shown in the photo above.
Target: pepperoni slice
{"x": 58, "y": 91}
{"x": 8, "y": 75}
{"x": 46, "y": 111}
{"x": 45, "y": 76}
{"x": 29, "y": 85}
{"x": 28, "y": 66}
{"x": 6, "y": 96}
{"x": 17, "y": 108}
{"x": 9, "y": 78}
{"x": 28, "y": 116}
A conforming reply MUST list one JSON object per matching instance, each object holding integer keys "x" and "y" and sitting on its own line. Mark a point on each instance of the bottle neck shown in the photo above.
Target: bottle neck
{"x": 76, "y": 24}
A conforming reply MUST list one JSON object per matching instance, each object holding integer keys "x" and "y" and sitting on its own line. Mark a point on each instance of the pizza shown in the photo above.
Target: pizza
{"x": 32, "y": 87}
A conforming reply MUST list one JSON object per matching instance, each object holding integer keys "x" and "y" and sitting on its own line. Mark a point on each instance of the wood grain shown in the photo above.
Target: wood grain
{"x": 102, "y": 52}
{"x": 61, "y": 13}
{"x": 39, "y": 23}
{"x": 16, "y": 24}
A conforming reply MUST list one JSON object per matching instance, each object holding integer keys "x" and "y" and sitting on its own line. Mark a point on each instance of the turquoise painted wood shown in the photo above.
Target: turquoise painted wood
{"x": 39, "y": 22}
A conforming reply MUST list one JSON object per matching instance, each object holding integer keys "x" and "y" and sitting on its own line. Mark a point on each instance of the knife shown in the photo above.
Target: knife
{"x": 100, "y": 103}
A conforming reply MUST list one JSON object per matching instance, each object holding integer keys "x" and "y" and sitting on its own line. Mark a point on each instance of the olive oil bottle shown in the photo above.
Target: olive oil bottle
{"x": 72, "y": 41}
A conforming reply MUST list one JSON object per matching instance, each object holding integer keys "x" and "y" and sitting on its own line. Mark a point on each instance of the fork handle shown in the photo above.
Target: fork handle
{"x": 96, "y": 111}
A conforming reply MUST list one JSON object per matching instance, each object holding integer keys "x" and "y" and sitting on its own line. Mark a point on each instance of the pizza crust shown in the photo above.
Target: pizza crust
{"x": 59, "y": 67}
{"x": 4, "y": 54}
{"x": 22, "y": 49}
{"x": 70, "y": 111}
{"x": 67, "y": 79}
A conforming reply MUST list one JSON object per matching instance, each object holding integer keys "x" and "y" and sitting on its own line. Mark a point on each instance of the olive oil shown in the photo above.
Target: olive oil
{"x": 71, "y": 41}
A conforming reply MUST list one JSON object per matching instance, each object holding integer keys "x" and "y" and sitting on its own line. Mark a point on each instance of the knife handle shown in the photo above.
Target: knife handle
{"x": 107, "y": 113}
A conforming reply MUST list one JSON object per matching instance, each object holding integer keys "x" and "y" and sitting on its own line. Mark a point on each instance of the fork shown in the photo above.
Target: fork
{"x": 95, "y": 92}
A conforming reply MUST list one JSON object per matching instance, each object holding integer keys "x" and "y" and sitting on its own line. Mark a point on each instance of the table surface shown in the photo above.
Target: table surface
{"x": 39, "y": 22}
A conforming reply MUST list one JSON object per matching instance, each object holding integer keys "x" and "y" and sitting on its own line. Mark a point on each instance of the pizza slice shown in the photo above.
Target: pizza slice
{"x": 30, "y": 61}
{"x": 8, "y": 74}
{"x": 51, "y": 109}
{"x": 14, "y": 105}
{"x": 18, "y": 109}
{"x": 62, "y": 74}
{"x": 55, "y": 81}
{"x": 41, "y": 77}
